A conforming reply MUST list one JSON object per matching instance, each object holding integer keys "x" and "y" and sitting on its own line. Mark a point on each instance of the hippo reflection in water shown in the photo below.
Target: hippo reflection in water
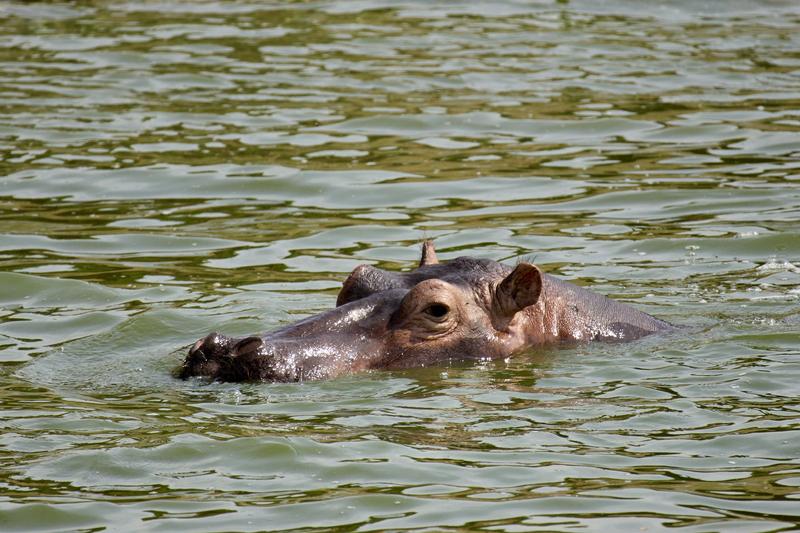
{"x": 465, "y": 309}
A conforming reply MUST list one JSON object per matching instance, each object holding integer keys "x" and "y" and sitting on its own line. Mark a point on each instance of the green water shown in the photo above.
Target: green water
{"x": 169, "y": 169}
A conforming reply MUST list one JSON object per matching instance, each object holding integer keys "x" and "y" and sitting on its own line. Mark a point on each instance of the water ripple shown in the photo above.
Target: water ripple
{"x": 173, "y": 168}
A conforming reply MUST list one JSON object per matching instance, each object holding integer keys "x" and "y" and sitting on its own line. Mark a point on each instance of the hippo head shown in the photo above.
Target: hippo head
{"x": 465, "y": 309}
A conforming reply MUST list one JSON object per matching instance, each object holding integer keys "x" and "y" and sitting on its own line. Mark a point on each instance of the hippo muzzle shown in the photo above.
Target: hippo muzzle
{"x": 344, "y": 339}
{"x": 220, "y": 357}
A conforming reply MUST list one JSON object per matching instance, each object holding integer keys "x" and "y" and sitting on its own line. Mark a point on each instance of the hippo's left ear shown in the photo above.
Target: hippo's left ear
{"x": 517, "y": 291}
{"x": 428, "y": 254}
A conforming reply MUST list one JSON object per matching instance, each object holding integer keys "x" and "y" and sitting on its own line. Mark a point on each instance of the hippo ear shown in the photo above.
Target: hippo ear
{"x": 365, "y": 280}
{"x": 428, "y": 254}
{"x": 517, "y": 291}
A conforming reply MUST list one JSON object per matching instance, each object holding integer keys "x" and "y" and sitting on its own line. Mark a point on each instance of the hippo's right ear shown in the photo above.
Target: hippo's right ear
{"x": 517, "y": 291}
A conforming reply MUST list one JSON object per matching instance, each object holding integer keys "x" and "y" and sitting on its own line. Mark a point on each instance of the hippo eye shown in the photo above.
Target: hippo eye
{"x": 437, "y": 310}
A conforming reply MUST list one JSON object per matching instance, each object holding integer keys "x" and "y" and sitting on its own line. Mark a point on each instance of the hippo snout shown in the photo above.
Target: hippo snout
{"x": 206, "y": 355}
{"x": 213, "y": 356}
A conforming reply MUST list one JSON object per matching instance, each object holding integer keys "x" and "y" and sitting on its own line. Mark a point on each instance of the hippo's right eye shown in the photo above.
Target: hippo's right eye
{"x": 437, "y": 310}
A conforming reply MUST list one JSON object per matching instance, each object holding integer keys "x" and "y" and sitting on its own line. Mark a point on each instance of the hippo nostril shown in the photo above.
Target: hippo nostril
{"x": 196, "y": 347}
{"x": 247, "y": 345}
{"x": 196, "y": 356}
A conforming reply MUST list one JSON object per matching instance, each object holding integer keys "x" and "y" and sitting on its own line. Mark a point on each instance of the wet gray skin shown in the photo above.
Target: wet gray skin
{"x": 465, "y": 309}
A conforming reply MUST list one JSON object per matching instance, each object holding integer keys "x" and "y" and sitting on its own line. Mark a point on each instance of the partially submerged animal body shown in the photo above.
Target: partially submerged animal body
{"x": 465, "y": 309}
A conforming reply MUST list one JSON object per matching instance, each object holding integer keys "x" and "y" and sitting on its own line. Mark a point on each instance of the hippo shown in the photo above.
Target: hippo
{"x": 464, "y": 309}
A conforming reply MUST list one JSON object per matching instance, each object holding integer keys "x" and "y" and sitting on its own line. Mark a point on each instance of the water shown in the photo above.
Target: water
{"x": 169, "y": 169}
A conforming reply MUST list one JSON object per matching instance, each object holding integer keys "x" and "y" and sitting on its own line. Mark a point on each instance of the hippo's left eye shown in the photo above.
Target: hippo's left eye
{"x": 437, "y": 311}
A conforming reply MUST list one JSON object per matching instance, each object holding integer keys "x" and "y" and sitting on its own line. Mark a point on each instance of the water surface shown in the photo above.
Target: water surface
{"x": 172, "y": 168}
